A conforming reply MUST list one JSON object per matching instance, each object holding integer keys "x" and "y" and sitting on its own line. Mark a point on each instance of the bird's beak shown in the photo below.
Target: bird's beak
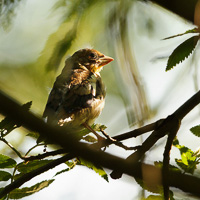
{"x": 105, "y": 60}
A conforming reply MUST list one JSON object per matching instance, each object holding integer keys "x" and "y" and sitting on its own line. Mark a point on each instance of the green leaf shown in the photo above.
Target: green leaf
{"x": 90, "y": 138}
{"x": 194, "y": 30}
{"x": 196, "y": 130}
{"x": 149, "y": 187}
{"x": 154, "y": 197}
{"x": 95, "y": 127}
{"x": 98, "y": 170}
{"x": 182, "y": 52}
{"x": 175, "y": 141}
{"x": 33, "y": 135}
{"x": 71, "y": 164}
{"x": 27, "y": 191}
{"x": 4, "y": 176}
{"x": 171, "y": 167}
{"x": 31, "y": 165}
{"x": 188, "y": 161}
{"x": 6, "y": 162}
{"x": 98, "y": 127}
{"x": 62, "y": 171}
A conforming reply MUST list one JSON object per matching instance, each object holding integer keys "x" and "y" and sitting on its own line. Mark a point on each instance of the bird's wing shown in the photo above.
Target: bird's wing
{"x": 82, "y": 91}
{"x": 70, "y": 94}
{"x": 60, "y": 87}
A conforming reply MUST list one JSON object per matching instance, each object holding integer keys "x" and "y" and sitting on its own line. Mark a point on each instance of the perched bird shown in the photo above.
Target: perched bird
{"x": 78, "y": 94}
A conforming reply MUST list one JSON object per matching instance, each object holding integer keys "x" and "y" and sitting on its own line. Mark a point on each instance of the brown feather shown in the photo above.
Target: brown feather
{"x": 78, "y": 93}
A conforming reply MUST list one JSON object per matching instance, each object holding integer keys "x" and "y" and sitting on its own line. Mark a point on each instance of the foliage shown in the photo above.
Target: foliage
{"x": 196, "y": 130}
{"x": 21, "y": 169}
{"x": 73, "y": 23}
{"x": 99, "y": 170}
{"x": 182, "y": 52}
{"x": 189, "y": 159}
{"x": 27, "y": 191}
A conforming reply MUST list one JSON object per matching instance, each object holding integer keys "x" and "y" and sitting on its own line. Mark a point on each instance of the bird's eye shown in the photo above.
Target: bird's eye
{"x": 92, "y": 55}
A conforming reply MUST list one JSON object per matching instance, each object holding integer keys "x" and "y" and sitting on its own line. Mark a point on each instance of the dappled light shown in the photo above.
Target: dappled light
{"x": 144, "y": 143}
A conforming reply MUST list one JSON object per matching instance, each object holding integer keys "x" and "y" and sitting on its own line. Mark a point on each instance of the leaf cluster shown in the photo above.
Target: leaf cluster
{"x": 183, "y": 50}
{"x": 7, "y": 125}
{"x": 189, "y": 159}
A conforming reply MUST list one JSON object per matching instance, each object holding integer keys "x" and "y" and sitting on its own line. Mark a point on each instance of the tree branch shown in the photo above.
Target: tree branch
{"x": 9, "y": 108}
{"x": 166, "y": 158}
{"x": 183, "y": 8}
{"x": 164, "y": 128}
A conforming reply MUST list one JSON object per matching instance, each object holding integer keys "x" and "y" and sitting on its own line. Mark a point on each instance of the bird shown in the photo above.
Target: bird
{"x": 78, "y": 94}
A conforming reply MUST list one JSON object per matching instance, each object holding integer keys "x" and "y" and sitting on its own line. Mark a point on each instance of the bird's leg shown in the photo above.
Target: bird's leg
{"x": 93, "y": 131}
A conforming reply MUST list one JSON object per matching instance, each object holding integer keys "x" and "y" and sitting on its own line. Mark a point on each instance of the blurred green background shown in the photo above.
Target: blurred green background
{"x": 37, "y": 36}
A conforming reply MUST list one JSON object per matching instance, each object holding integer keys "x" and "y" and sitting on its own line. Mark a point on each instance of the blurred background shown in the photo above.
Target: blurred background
{"x": 37, "y": 36}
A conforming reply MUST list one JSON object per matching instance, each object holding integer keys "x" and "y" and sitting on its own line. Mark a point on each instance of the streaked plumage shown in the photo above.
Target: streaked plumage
{"x": 78, "y": 94}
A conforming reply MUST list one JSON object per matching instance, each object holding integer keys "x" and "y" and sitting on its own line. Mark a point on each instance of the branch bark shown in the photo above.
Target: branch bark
{"x": 164, "y": 128}
{"x": 10, "y": 108}
{"x": 183, "y": 8}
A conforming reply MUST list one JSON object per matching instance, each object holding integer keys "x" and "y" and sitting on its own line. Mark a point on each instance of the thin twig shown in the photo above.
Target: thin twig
{"x": 37, "y": 145}
{"x": 164, "y": 128}
{"x": 160, "y": 132}
{"x": 117, "y": 143}
{"x": 139, "y": 131}
{"x": 10, "y": 145}
{"x": 44, "y": 155}
{"x": 166, "y": 157}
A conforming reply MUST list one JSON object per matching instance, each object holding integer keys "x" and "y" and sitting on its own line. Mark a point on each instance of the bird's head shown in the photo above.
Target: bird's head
{"x": 92, "y": 59}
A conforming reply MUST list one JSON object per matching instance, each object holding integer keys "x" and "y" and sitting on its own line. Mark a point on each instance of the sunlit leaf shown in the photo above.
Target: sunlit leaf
{"x": 98, "y": 170}
{"x": 95, "y": 127}
{"x": 33, "y": 135}
{"x": 27, "y": 191}
{"x": 90, "y": 138}
{"x": 71, "y": 164}
{"x": 154, "y": 197}
{"x": 196, "y": 130}
{"x": 188, "y": 161}
{"x": 194, "y": 30}
{"x": 182, "y": 52}
{"x": 6, "y": 162}
{"x": 171, "y": 167}
{"x": 62, "y": 171}
{"x": 31, "y": 165}
{"x": 98, "y": 127}
{"x": 149, "y": 187}
{"x": 4, "y": 176}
